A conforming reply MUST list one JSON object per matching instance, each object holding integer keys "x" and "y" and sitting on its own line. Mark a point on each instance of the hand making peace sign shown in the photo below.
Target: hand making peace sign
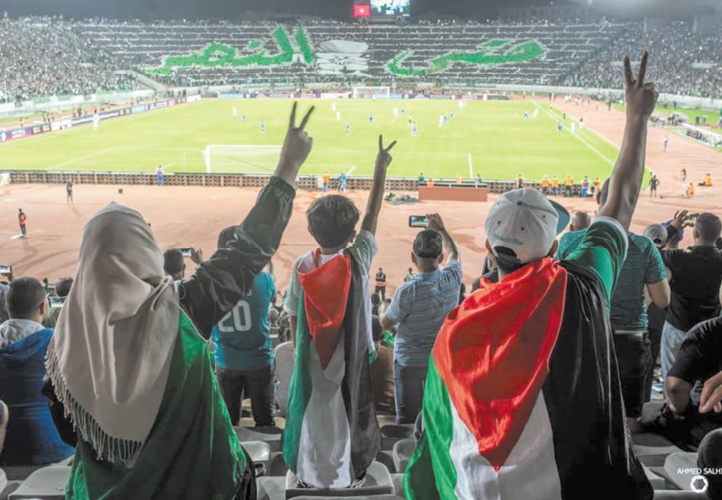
{"x": 383, "y": 158}
{"x": 296, "y": 147}
{"x": 641, "y": 95}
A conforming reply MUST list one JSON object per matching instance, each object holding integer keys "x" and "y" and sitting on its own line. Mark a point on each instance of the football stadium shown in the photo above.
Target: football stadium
{"x": 373, "y": 249}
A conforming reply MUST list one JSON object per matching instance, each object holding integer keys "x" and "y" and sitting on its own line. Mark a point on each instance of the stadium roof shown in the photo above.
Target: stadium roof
{"x": 656, "y": 8}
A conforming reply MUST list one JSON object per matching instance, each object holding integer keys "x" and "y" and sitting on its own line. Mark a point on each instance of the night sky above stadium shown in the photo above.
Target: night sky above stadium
{"x": 232, "y": 9}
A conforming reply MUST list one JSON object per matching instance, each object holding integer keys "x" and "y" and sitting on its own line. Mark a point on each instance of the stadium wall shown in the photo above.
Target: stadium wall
{"x": 402, "y": 184}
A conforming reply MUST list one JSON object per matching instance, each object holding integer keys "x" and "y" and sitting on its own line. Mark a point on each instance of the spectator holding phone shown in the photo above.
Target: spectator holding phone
{"x": 174, "y": 261}
{"x": 417, "y": 311}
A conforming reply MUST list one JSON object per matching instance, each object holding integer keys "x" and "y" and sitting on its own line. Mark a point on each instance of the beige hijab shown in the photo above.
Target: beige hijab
{"x": 110, "y": 355}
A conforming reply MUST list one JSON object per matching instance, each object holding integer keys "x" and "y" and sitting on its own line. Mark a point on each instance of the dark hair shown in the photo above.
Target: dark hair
{"x": 708, "y": 227}
{"x": 504, "y": 259}
{"x": 604, "y": 193}
{"x": 226, "y": 236}
{"x": 331, "y": 220}
{"x": 62, "y": 287}
{"x": 173, "y": 261}
{"x": 24, "y": 298}
{"x": 428, "y": 244}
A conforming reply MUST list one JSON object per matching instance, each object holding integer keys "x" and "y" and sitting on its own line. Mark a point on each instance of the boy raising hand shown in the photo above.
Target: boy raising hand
{"x": 331, "y": 415}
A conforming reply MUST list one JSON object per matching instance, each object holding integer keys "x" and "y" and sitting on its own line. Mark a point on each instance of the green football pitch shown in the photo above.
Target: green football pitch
{"x": 489, "y": 138}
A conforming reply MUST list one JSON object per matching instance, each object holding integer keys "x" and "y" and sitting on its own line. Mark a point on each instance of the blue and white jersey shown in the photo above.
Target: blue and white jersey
{"x": 241, "y": 339}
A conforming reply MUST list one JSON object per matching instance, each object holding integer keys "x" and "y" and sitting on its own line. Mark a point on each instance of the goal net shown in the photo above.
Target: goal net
{"x": 372, "y": 92}
{"x": 241, "y": 159}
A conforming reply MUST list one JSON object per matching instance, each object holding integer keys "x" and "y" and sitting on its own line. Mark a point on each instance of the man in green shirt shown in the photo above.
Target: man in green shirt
{"x": 643, "y": 268}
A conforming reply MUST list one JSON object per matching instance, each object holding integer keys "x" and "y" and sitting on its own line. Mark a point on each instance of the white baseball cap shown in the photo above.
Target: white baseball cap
{"x": 525, "y": 222}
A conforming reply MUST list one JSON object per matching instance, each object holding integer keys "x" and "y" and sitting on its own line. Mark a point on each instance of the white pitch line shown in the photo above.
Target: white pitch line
{"x": 75, "y": 160}
{"x": 576, "y": 136}
{"x": 471, "y": 168}
{"x": 351, "y": 170}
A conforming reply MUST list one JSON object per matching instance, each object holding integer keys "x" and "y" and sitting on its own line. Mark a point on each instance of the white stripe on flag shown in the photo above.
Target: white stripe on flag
{"x": 531, "y": 470}
{"x": 324, "y": 450}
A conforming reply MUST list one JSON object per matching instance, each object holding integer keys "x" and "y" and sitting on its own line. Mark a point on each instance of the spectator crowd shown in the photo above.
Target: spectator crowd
{"x": 44, "y": 56}
{"x": 528, "y": 388}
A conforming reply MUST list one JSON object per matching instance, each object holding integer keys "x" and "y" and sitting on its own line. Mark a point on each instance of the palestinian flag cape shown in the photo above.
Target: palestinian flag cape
{"x": 522, "y": 398}
{"x": 331, "y": 434}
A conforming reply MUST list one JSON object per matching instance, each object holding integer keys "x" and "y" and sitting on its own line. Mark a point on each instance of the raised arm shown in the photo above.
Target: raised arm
{"x": 436, "y": 223}
{"x": 626, "y": 180}
{"x": 373, "y": 207}
{"x": 221, "y": 281}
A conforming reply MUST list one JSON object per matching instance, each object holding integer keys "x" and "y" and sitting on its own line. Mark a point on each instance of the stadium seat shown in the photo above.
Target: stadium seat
{"x": 652, "y": 449}
{"x": 390, "y": 434}
{"x": 277, "y": 465}
{"x": 383, "y": 419}
{"x": 47, "y": 483}
{"x": 274, "y": 438}
{"x": 398, "y": 481}
{"x": 657, "y": 482}
{"x": 378, "y": 482}
{"x": 259, "y": 451}
{"x": 675, "y": 466}
{"x": 21, "y": 472}
{"x": 364, "y": 497}
{"x": 402, "y": 453}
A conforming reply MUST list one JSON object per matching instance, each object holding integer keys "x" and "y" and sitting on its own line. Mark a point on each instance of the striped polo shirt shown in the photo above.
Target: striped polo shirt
{"x": 419, "y": 308}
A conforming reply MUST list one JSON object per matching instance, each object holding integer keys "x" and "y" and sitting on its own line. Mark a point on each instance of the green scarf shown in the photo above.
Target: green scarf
{"x": 192, "y": 451}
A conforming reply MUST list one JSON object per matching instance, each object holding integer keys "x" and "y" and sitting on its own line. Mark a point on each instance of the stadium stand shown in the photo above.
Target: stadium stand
{"x": 334, "y": 51}
{"x": 42, "y": 56}
{"x": 685, "y": 63}
{"x": 48, "y": 56}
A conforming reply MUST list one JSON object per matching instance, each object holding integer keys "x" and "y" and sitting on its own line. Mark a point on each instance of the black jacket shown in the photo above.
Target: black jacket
{"x": 219, "y": 283}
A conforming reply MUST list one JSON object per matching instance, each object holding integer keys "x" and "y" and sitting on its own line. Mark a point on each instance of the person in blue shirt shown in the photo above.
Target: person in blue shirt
{"x": 32, "y": 438}
{"x": 342, "y": 182}
{"x": 417, "y": 311}
{"x": 414, "y": 130}
{"x": 263, "y": 127}
{"x": 371, "y": 118}
{"x": 243, "y": 352}
{"x": 348, "y": 128}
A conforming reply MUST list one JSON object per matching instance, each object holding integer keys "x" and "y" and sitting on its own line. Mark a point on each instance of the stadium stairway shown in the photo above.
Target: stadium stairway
{"x": 378, "y": 482}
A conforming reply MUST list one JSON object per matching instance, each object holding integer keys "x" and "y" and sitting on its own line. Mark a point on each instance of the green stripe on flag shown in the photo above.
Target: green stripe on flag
{"x": 430, "y": 472}
{"x": 299, "y": 390}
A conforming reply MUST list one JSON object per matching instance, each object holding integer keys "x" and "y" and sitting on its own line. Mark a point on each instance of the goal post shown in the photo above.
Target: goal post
{"x": 362, "y": 92}
{"x": 241, "y": 158}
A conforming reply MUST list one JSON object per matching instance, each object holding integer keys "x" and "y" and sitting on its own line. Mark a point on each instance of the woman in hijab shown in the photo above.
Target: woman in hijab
{"x": 129, "y": 367}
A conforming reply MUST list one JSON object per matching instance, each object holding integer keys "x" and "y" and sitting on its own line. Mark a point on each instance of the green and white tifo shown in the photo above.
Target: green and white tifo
{"x": 493, "y": 139}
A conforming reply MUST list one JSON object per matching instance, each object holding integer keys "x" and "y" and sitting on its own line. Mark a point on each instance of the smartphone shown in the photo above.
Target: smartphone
{"x": 56, "y": 301}
{"x": 7, "y": 270}
{"x": 418, "y": 221}
{"x": 187, "y": 252}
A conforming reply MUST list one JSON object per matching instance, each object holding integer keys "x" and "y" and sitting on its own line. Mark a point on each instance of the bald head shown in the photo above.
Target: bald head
{"x": 580, "y": 220}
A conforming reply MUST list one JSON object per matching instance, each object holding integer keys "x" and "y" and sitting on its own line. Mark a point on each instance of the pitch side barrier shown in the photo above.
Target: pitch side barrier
{"x": 66, "y": 123}
{"x": 401, "y": 184}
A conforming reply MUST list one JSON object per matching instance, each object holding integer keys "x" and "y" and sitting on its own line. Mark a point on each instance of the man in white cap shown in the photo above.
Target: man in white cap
{"x": 522, "y": 397}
